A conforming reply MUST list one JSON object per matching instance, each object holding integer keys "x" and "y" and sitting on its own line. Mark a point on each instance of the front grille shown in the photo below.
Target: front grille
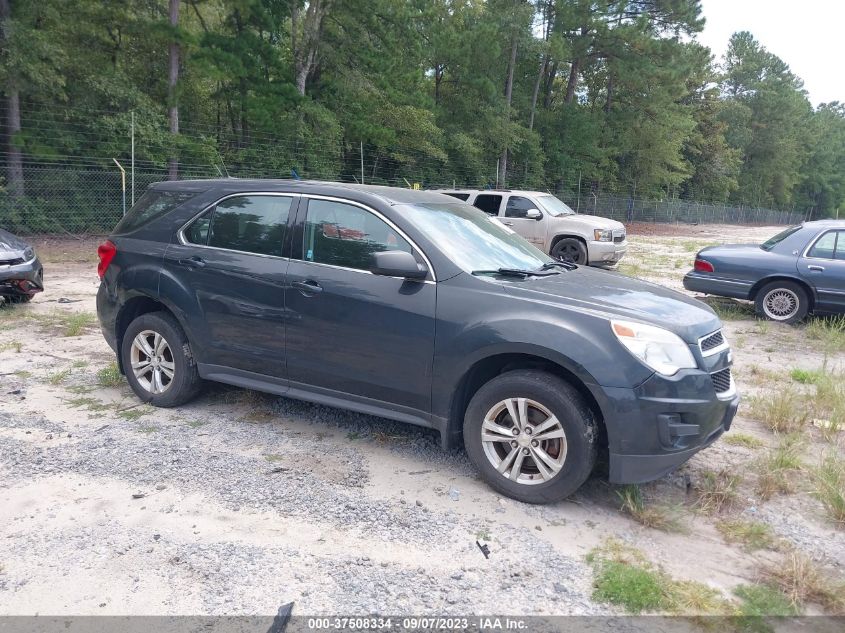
{"x": 11, "y": 262}
{"x": 712, "y": 341}
{"x": 721, "y": 380}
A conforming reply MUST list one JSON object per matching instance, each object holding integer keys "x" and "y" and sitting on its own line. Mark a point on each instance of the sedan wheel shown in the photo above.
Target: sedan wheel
{"x": 782, "y": 301}
{"x": 523, "y": 441}
{"x": 152, "y": 361}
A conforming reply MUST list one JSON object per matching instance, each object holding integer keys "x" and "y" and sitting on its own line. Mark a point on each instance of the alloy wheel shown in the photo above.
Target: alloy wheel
{"x": 780, "y": 304}
{"x": 152, "y": 362}
{"x": 524, "y": 441}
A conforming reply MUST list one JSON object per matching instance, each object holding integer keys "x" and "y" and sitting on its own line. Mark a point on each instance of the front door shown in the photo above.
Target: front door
{"x": 823, "y": 266}
{"x": 532, "y": 229}
{"x": 351, "y": 334}
{"x": 231, "y": 258}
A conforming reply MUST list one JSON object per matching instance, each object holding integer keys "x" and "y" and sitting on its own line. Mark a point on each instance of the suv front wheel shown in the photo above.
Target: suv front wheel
{"x": 531, "y": 436}
{"x": 157, "y": 361}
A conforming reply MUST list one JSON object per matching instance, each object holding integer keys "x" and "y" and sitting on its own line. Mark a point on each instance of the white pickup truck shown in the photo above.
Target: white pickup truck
{"x": 551, "y": 225}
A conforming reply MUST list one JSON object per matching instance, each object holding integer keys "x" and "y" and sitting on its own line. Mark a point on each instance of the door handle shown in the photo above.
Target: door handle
{"x": 193, "y": 262}
{"x": 309, "y": 287}
{"x": 508, "y": 223}
{"x": 817, "y": 269}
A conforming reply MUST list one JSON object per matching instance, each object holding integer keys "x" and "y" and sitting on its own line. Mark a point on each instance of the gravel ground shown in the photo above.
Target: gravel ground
{"x": 238, "y": 503}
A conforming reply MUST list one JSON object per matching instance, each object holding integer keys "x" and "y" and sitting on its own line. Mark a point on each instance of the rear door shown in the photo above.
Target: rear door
{"x": 354, "y": 335}
{"x": 516, "y": 208}
{"x": 234, "y": 258}
{"x": 822, "y": 264}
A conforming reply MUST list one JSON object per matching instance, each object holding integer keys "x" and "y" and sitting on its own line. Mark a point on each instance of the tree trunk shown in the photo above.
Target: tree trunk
{"x": 543, "y": 69}
{"x": 503, "y": 162}
{"x": 550, "y": 82}
{"x": 572, "y": 83}
{"x": 305, "y": 51}
{"x": 14, "y": 157}
{"x": 173, "y": 80}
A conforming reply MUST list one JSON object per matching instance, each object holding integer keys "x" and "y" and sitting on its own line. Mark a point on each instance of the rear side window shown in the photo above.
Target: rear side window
{"x": 459, "y": 196}
{"x": 345, "y": 235}
{"x": 153, "y": 204}
{"x": 488, "y": 203}
{"x": 252, "y": 224}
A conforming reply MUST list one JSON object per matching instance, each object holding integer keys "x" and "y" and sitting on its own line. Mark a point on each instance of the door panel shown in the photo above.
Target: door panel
{"x": 823, "y": 266}
{"x": 240, "y": 294}
{"x": 529, "y": 228}
{"x": 350, "y": 333}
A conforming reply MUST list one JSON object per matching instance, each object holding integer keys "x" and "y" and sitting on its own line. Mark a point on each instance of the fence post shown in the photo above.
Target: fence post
{"x": 132, "y": 160}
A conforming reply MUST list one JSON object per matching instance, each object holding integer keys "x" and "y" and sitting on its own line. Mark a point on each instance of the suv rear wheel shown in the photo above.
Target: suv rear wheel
{"x": 157, "y": 361}
{"x": 531, "y": 436}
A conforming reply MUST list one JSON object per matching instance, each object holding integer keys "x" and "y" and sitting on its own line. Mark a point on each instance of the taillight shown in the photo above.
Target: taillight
{"x": 106, "y": 252}
{"x": 703, "y": 266}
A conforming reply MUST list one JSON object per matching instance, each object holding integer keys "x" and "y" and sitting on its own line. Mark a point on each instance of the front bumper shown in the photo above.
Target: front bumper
{"x": 22, "y": 279}
{"x": 606, "y": 253}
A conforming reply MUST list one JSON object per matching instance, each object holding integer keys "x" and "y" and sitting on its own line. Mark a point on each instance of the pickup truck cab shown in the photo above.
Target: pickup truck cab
{"x": 551, "y": 225}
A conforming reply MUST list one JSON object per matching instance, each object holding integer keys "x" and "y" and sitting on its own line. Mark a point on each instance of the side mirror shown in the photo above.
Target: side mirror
{"x": 533, "y": 214}
{"x": 397, "y": 264}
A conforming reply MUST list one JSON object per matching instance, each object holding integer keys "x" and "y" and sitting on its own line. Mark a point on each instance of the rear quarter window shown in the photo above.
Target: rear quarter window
{"x": 153, "y": 204}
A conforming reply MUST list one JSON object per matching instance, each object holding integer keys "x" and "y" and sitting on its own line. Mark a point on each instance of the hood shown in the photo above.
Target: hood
{"x": 587, "y": 222}
{"x": 11, "y": 244}
{"x": 613, "y": 295}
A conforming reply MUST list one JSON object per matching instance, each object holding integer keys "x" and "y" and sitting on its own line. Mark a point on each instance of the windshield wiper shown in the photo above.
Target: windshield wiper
{"x": 564, "y": 265}
{"x": 516, "y": 272}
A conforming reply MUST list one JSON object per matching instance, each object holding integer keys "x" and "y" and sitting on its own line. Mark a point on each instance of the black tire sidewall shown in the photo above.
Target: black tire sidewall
{"x": 800, "y": 292}
{"x": 570, "y": 240}
{"x": 186, "y": 381}
{"x": 561, "y": 399}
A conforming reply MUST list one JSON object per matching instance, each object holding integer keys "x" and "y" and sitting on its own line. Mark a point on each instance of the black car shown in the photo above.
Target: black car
{"x": 417, "y": 307}
{"x": 21, "y": 273}
{"x": 798, "y": 271}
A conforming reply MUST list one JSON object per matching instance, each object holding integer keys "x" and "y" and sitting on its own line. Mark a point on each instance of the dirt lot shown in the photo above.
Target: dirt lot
{"x": 241, "y": 502}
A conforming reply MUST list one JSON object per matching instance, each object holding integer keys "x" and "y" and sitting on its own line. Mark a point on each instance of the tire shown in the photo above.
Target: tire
{"x": 18, "y": 298}
{"x": 570, "y": 250}
{"x": 178, "y": 379}
{"x": 782, "y": 301}
{"x": 574, "y": 454}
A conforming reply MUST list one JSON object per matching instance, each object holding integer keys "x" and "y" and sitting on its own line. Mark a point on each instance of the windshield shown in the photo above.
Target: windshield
{"x": 554, "y": 206}
{"x": 770, "y": 243}
{"x": 472, "y": 239}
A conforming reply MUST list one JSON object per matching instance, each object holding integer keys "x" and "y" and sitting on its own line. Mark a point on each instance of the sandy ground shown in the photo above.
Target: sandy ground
{"x": 239, "y": 502}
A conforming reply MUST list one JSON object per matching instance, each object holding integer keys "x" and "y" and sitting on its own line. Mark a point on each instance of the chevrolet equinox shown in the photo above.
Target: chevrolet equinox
{"x": 417, "y": 307}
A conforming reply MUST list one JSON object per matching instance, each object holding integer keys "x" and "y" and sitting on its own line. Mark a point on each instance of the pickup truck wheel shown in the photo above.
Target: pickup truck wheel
{"x": 570, "y": 250}
{"x": 783, "y": 301}
{"x": 531, "y": 436}
{"x": 157, "y": 361}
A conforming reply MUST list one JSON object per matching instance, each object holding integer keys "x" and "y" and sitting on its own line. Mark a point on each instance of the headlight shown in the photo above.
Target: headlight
{"x": 28, "y": 254}
{"x": 603, "y": 235}
{"x": 657, "y": 348}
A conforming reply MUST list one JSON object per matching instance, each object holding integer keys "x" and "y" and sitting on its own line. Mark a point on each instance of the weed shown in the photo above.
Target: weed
{"x": 92, "y": 404}
{"x": 274, "y": 458}
{"x": 763, "y": 327}
{"x": 691, "y": 247}
{"x": 80, "y": 364}
{"x": 751, "y": 535}
{"x": 781, "y": 411}
{"x": 717, "y": 491}
{"x": 15, "y": 345}
{"x": 80, "y": 389}
{"x": 806, "y": 376}
{"x": 59, "y": 377}
{"x": 743, "y": 439}
{"x": 830, "y": 331}
{"x": 637, "y": 589}
{"x": 801, "y": 581}
{"x": 110, "y": 376}
{"x": 195, "y": 424}
{"x": 353, "y": 435}
{"x": 763, "y": 601}
{"x": 653, "y": 516}
{"x": 729, "y": 309}
{"x": 829, "y": 480}
{"x": 134, "y": 414}
{"x": 632, "y": 269}
{"x": 148, "y": 429}
{"x": 776, "y": 469}
{"x": 22, "y": 373}
{"x": 483, "y": 534}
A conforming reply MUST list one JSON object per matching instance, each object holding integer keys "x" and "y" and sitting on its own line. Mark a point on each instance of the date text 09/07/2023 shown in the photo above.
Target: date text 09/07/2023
{"x": 369, "y": 623}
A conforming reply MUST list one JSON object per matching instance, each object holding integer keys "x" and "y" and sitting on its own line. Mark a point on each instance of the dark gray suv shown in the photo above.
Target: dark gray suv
{"x": 417, "y": 307}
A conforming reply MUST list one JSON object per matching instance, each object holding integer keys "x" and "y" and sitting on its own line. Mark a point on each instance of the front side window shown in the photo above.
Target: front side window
{"x": 518, "y": 207}
{"x": 472, "y": 240}
{"x": 488, "y": 203}
{"x": 252, "y": 224}
{"x": 344, "y": 235}
{"x": 825, "y": 246}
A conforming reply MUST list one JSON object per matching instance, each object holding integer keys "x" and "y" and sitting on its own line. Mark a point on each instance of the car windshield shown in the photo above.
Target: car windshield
{"x": 770, "y": 243}
{"x": 554, "y": 206}
{"x": 472, "y": 239}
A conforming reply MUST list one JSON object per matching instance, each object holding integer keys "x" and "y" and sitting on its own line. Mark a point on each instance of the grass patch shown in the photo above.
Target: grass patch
{"x": 22, "y": 373}
{"x": 829, "y": 487}
{"x": 751, "y": 535}
{"x": 659, "y": 517}
{"x": 763, "y": 601}
{"x": 59, "y": 377}
{"x": 730, "y": 310}
{"x": 148, "y": 429}
{"x": 195, "y": 424}
{"x": 717, "y": 491}
{"x": 110, "y": 376}
{"x": 272, "y": 458}
{"x": 743, "y": 439}
{"x": 829, "y": 331}
{"x": 802, "y": 582}
{"x": 782, "y": 412}
{"x": 15, "y": 345}
{"x": 86, "y": 402}
{"x": 632, "y": 269}
{"x": 778, "y": 468}
{"x": 806, "y": 376}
